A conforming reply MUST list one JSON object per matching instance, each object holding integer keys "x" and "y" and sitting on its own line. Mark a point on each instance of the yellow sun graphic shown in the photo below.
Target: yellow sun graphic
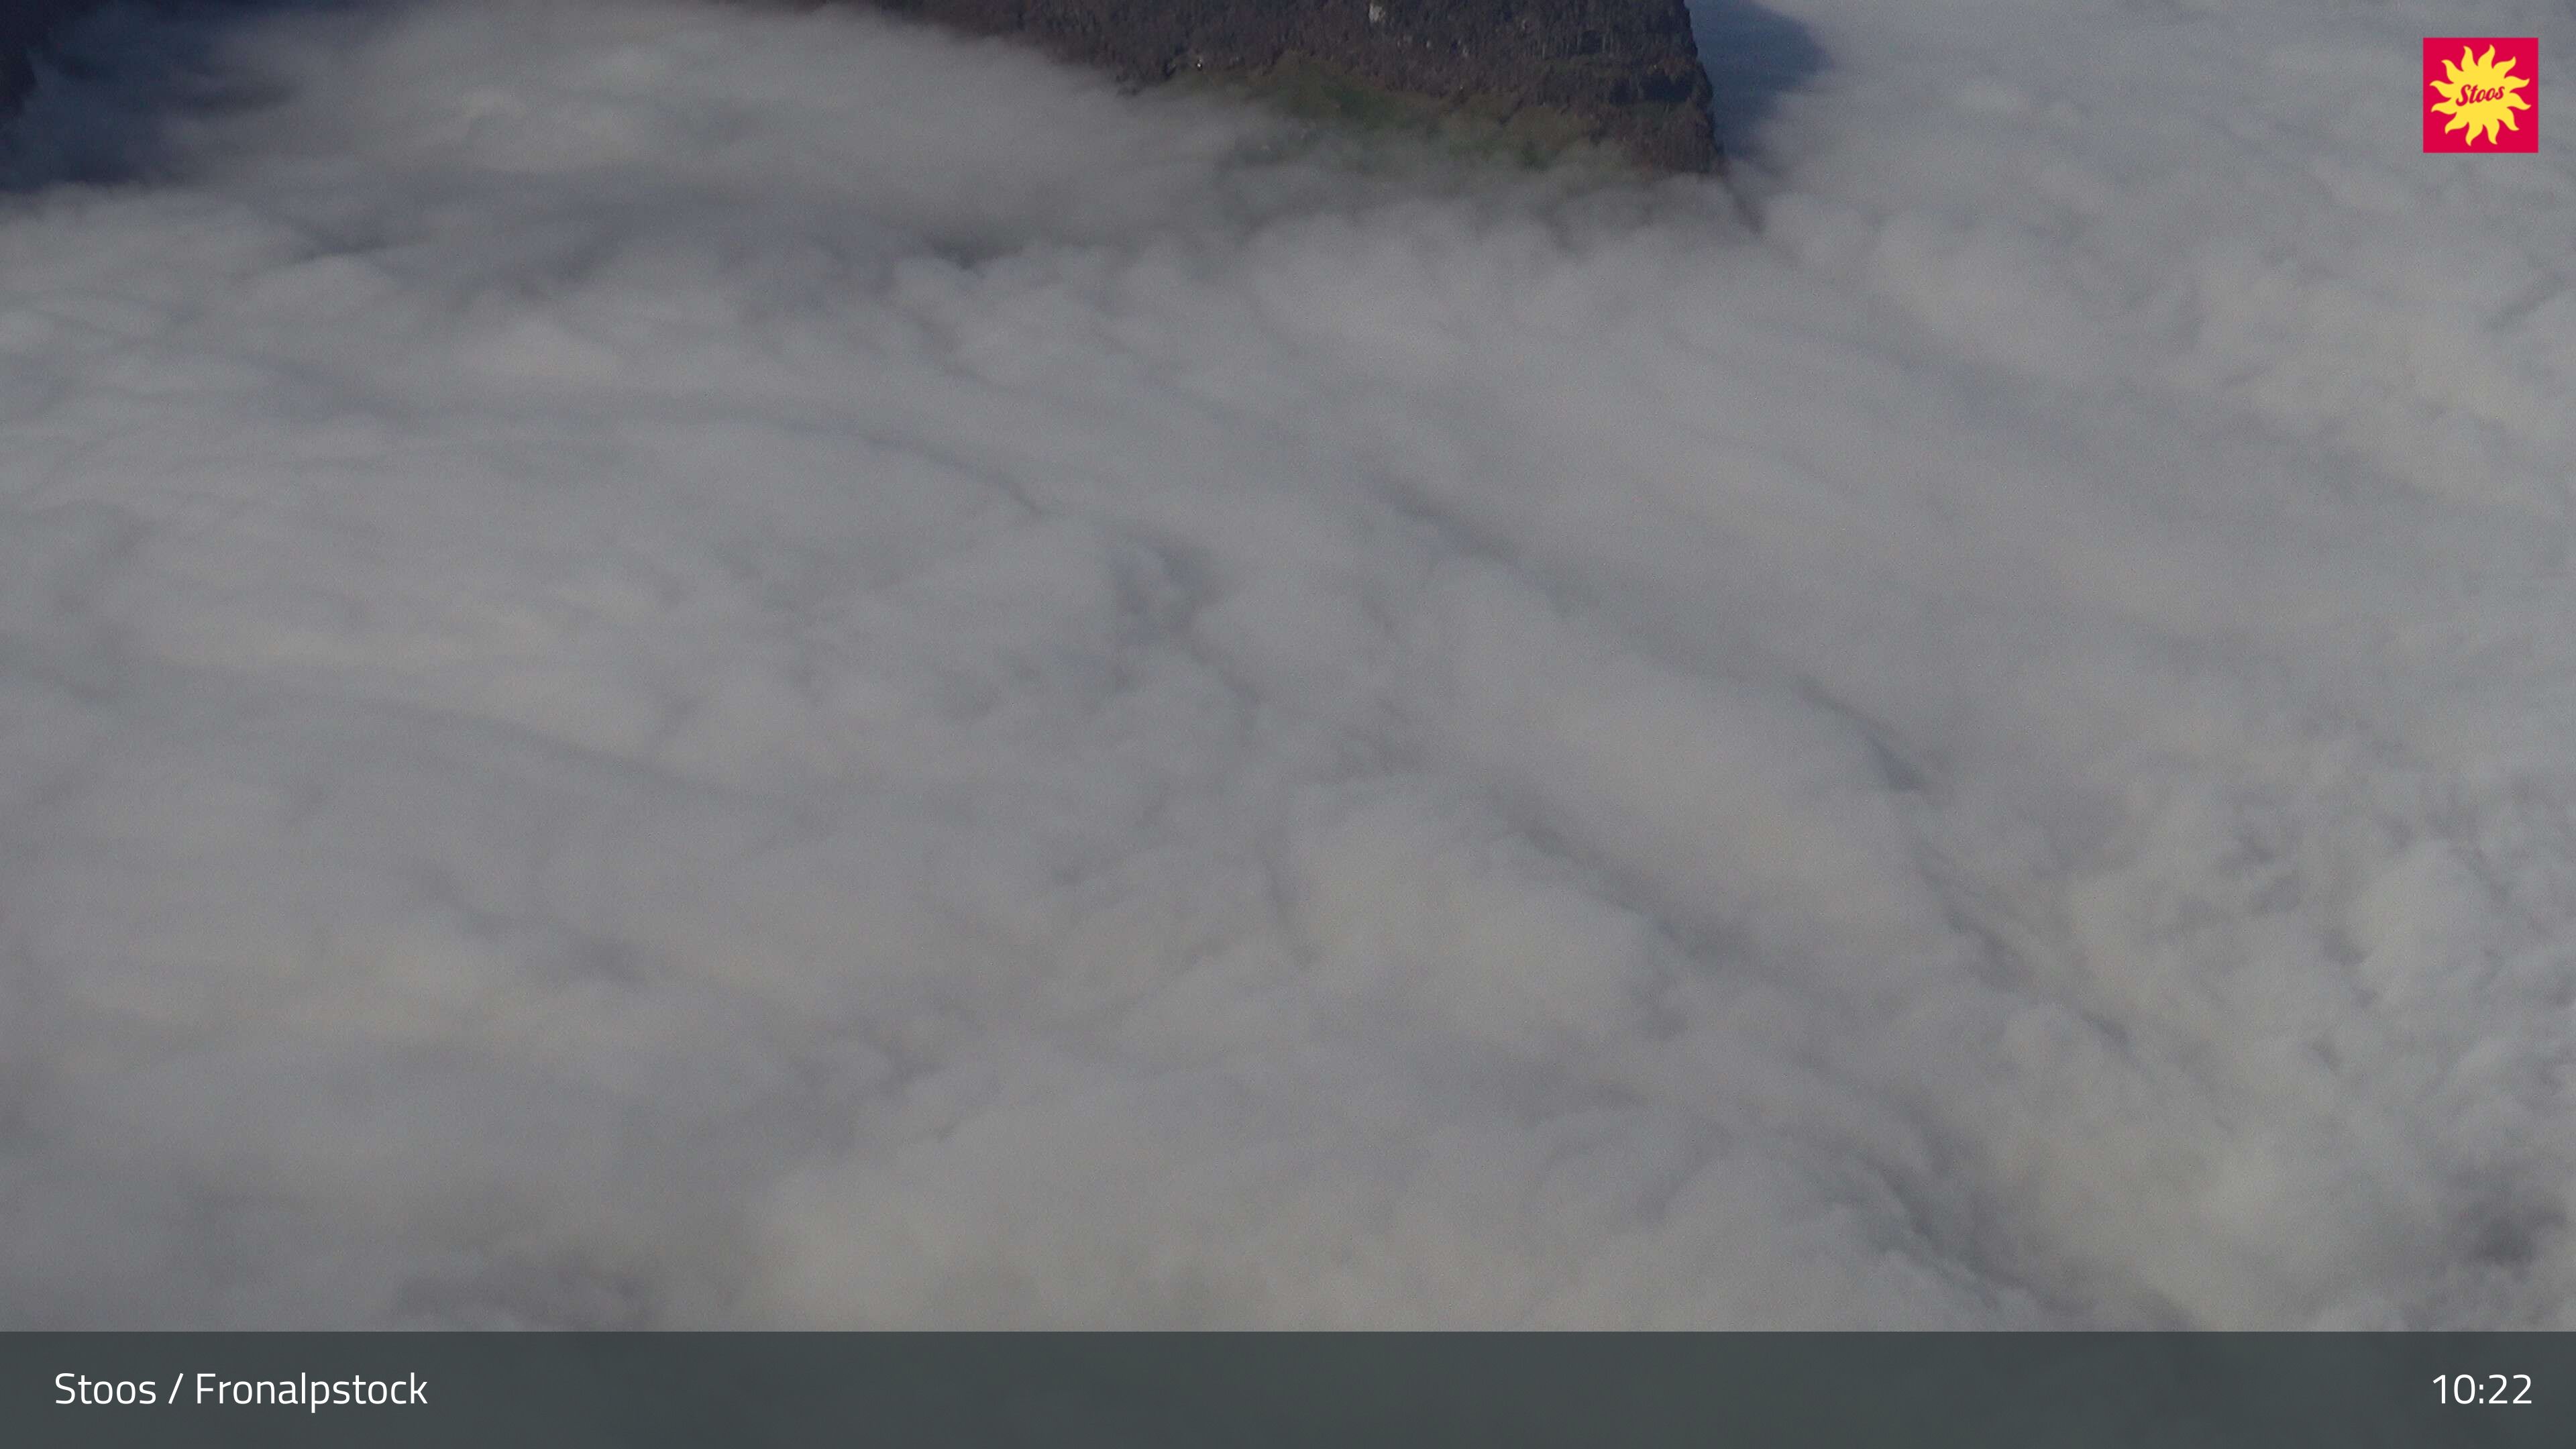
{"x": 2480, "y": 94}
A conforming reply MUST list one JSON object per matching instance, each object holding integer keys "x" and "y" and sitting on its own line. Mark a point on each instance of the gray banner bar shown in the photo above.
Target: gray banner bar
{"x": 2186, "y": 1391}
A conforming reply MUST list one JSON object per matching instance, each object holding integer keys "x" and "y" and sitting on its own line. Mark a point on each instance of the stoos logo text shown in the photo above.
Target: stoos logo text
{"x": 2481, "y": 93}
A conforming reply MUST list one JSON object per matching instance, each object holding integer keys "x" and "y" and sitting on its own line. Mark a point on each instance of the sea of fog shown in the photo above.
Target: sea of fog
{"x": 663, "y": 664}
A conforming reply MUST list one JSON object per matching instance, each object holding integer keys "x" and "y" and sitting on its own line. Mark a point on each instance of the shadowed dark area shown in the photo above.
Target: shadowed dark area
{"x": 141, "y": 62}
{"x": 24, "y": 25}
{"x": 1754, "y": 57}
{"x": 1627, "y": 74}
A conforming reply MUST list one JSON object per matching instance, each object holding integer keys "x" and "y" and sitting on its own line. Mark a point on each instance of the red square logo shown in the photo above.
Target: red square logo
{"x": 2481, "y": 93}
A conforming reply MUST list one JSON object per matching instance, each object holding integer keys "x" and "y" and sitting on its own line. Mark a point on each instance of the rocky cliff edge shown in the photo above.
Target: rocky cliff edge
{"x": 1624, "y": 74}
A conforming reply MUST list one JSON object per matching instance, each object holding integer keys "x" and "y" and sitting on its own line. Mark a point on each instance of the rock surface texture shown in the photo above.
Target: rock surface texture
{"x": 1623, "y": 73}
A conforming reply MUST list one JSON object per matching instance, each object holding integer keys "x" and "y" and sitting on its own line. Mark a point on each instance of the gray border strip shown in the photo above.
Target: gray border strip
{"x": 1137, "y": 1391}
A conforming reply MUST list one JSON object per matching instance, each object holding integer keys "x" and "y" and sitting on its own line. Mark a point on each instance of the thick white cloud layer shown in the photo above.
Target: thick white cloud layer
{"x": 666, "y": 665}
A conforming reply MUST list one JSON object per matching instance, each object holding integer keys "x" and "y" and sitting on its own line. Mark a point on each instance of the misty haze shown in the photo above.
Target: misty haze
{"x": 684, "y": 665}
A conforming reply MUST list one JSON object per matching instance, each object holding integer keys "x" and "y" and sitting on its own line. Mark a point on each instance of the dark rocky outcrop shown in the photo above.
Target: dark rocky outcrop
{"x": 24, "y": 24}
{"x": 1623, "y": 73}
